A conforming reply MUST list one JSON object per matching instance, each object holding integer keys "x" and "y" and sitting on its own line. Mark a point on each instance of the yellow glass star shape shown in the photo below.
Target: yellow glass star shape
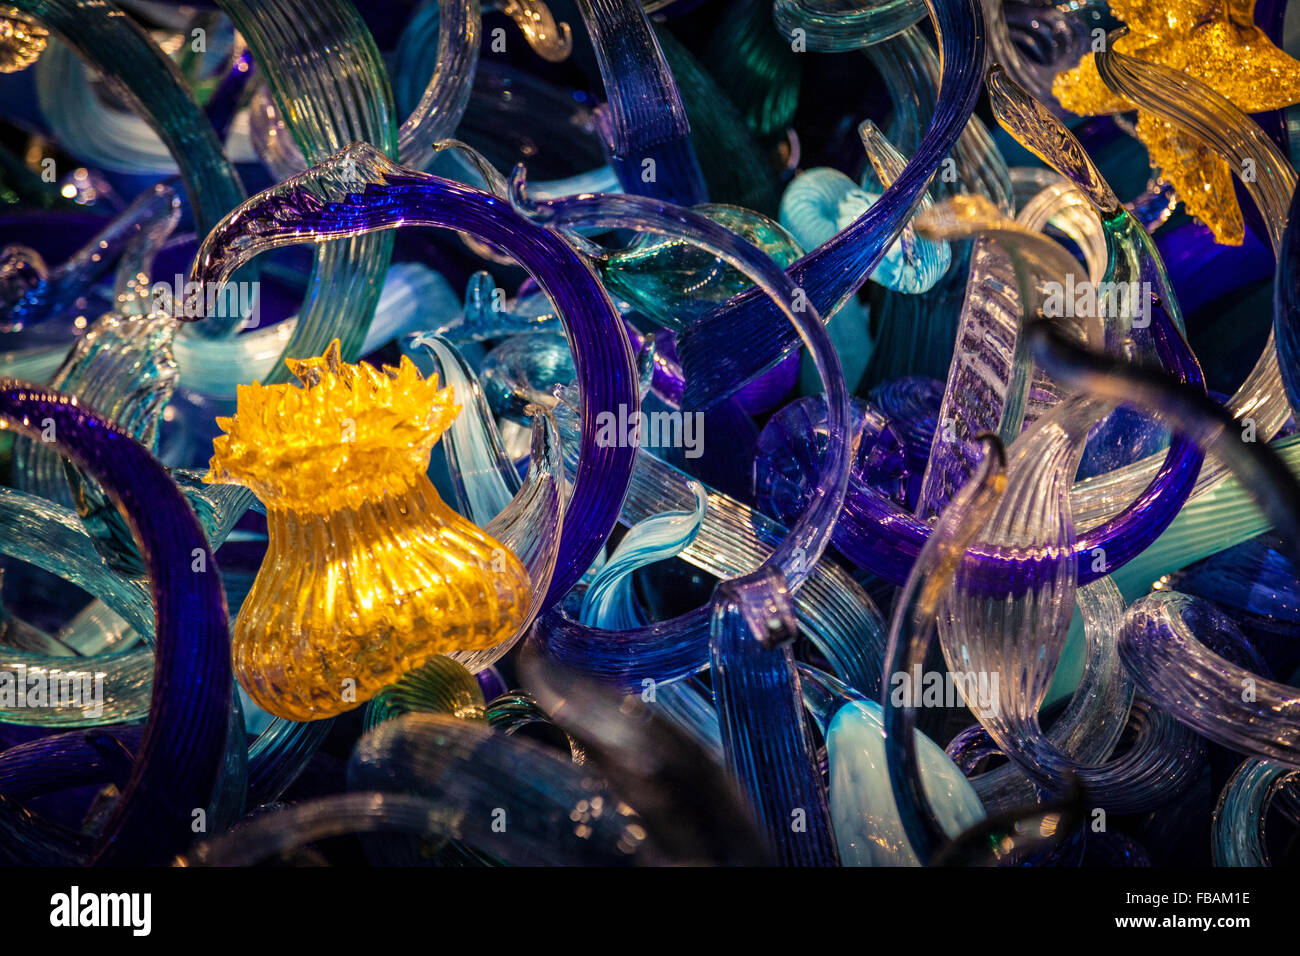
{"x": 1216, "y": 42}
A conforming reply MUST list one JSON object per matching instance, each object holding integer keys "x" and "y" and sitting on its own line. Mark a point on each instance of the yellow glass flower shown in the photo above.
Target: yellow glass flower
{"x": 368, "y": 574}
{"x": 1216, "y": 42}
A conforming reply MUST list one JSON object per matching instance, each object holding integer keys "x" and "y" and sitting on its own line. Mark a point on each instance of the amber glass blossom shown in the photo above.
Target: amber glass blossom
{"x": 368, "y": 574}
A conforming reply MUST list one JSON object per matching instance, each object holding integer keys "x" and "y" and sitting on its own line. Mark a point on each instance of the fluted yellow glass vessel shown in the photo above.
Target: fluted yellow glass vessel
{"x": 368, "y": 574}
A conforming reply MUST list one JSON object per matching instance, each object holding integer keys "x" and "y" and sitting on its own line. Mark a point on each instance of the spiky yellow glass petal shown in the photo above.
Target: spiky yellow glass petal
{"x": 1218, "y": 44}
{"x": 1201, "y": 179}
{"x": 368, "y": 574}
{"x": 336, "y": 442}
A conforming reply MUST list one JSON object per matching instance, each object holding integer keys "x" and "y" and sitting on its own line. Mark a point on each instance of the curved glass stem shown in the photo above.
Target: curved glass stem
{"x": 737, "y": 341}
{"x": 359, "y": 191}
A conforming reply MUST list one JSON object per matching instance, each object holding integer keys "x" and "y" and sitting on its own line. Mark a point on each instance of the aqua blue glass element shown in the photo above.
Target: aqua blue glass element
{"x": 510, "y": 114}
{"x": 840, "y": 27}
{"x": 867, "y": 825}
{"x": 1238, "y": 829}
{"x": 821, "y": 203}
{"x": 911, "y": 70}
{"x": 523, "y": 370}
{"x": 483, "y": 315}
{"x": 483, "y": 481}
{"x": 116, "y": 139}
{"x": 610, "y": 602}
{"x": 674, "y": 282}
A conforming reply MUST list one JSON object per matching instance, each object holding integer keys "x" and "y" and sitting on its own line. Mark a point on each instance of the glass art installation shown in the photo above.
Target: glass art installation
{"x": 759, "y": 433}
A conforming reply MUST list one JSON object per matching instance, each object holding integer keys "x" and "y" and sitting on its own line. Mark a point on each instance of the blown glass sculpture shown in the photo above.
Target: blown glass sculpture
{"x": 367, "y": 580}
{"x": 754, "y": 432}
